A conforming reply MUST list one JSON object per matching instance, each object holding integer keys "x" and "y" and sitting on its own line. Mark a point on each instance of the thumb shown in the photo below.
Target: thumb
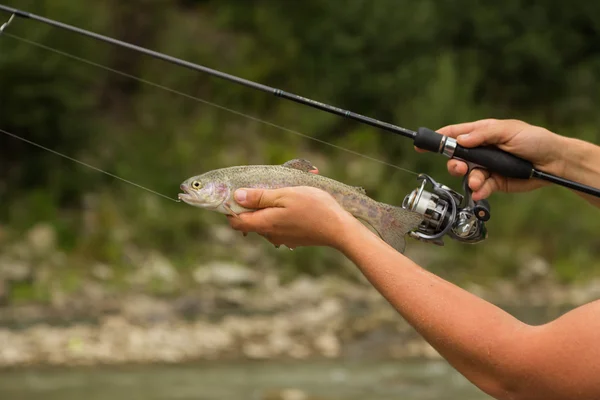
{"x": 258, "y": 198}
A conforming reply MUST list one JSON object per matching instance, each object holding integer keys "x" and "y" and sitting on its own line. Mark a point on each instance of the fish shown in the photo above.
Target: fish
{"x": 213, "y": 190}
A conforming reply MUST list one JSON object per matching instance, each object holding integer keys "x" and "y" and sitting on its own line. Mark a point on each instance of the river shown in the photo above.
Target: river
{"x": 327, "y": 380}
{"x": 348, "y": 378}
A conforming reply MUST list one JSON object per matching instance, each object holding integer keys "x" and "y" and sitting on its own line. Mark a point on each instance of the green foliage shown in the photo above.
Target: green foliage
{"x": 426, "y": 63}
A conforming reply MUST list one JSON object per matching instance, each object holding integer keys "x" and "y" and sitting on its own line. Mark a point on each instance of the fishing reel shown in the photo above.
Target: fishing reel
{"x": 447, "y": 212}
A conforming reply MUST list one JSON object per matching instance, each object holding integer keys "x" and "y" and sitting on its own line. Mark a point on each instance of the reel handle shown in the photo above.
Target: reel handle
{"x": 482, "y": 210}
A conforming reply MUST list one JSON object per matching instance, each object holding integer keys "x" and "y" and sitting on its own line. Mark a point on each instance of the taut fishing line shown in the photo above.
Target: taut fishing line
{"x": 186, "y": 95}
{"x": 85, "y": 164}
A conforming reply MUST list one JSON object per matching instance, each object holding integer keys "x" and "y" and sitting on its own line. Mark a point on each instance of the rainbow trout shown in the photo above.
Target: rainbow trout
{"x": 214, "y": 191}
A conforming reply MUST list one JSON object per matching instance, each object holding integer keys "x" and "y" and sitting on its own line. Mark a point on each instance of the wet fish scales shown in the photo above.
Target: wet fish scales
{"x": 216, "y": 188}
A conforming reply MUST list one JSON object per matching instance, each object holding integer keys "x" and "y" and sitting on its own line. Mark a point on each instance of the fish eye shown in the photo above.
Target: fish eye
{"x": 196, "y": 185}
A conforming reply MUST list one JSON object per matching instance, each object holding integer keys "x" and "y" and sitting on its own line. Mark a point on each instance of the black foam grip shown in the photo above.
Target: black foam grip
{"x": 496, "y": 160}
{"x": 429, "y": 140}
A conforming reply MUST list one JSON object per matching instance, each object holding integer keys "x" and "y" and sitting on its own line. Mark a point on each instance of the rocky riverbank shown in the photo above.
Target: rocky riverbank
{"x": 307, "y": 318}
{"x": 223, "y": 310}
{"x": 324, "y": 317}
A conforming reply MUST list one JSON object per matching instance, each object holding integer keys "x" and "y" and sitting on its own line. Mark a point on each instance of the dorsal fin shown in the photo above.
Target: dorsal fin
{"x": 306, "y": 166}
{"x": 360, "y": 189}
{"x": 302, "y": 165}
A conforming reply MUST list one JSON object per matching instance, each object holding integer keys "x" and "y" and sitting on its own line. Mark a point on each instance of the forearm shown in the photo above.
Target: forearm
{"x": 475, "y": 336}
{"x": 582, "y": 164}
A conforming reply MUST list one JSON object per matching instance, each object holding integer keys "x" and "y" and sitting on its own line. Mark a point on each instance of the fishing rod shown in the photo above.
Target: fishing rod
{"x": 445, "y": 211}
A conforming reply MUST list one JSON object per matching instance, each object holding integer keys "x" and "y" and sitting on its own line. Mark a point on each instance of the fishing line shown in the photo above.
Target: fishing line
{"x": 491, "y": 158}
{"x": 87, "y": 165}
{"x": 191, "y": 97}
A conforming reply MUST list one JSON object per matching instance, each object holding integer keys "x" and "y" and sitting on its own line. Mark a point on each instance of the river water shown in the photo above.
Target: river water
{"x": 268, "y": 380}
{"x": 331, "y": 380}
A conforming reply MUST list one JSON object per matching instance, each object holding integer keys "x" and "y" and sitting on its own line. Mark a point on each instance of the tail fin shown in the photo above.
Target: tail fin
{"x": 393, "y": 225}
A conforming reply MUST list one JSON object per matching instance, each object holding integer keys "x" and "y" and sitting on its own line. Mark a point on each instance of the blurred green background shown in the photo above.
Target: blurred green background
{"x": 426, "y": 63}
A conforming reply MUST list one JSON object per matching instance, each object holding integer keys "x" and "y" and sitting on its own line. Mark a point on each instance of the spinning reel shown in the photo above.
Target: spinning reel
{"x": 447, "y": 212}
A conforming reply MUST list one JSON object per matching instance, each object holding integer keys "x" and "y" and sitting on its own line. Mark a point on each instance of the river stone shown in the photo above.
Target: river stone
{"x": 41, "y": 238}
{"x": 155, "y": 267}
{"x": 102, "y": 272}
{"x": 14, "y": 270}
{"x": 225, "y": 274}
{"x": 533, "y": 271}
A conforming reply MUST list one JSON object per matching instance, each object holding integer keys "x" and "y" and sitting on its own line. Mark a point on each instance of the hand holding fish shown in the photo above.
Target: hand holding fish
{"x": 293, "y": 204}
{"x": 293, "y": 216}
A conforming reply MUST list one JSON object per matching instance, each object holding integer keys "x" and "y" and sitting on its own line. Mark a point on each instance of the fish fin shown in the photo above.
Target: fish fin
{"x": 400, "y": 223}
{"x": 228, "y": 208}
{"x": 360, "y": 189}
{"x": 370, "y": 226}
{"x": 302, "y": 165}
{"x": 394, "y": 224}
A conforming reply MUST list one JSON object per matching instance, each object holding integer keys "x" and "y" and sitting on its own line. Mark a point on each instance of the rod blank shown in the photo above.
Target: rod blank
{"x": 416, "y": 136}
{"x": 177, "y": 61}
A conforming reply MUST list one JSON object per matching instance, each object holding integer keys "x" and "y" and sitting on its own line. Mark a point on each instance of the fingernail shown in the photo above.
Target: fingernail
{"x": 240, "y": 195}
{"x": 462, "y": 137}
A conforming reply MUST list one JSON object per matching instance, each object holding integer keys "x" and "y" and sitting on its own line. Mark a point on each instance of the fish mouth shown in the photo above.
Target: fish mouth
{"x": 186, "y": 195}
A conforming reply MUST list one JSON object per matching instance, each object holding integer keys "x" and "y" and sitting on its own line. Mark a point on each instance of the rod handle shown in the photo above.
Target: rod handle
{"x": 489, "y": 157}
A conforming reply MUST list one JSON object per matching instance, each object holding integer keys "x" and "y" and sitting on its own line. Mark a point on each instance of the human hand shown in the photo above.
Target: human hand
{"x": 292, "y": 216}
{"x": 538, "y": 145}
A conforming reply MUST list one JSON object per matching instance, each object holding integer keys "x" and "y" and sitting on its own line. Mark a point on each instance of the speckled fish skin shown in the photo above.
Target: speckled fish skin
{"x": 214, "y": 191}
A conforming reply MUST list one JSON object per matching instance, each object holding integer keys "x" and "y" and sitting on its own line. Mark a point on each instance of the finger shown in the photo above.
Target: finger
{"x": 273, "y": 240}
{"x": 259, "y": 198}
{"x": 462, "y": 129}
{"x": 266, "y": 236}
{"x": 236, "y": 224}
{"x": 491, "y": 132}
{"x": 248, "y": 222}
{"x": 477, "y": 178}
{"x": 457, "y": 168}
{"x": 259, "y": 221}
{"x": 488, "y": 187}
{"x": 456, "y": 130}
